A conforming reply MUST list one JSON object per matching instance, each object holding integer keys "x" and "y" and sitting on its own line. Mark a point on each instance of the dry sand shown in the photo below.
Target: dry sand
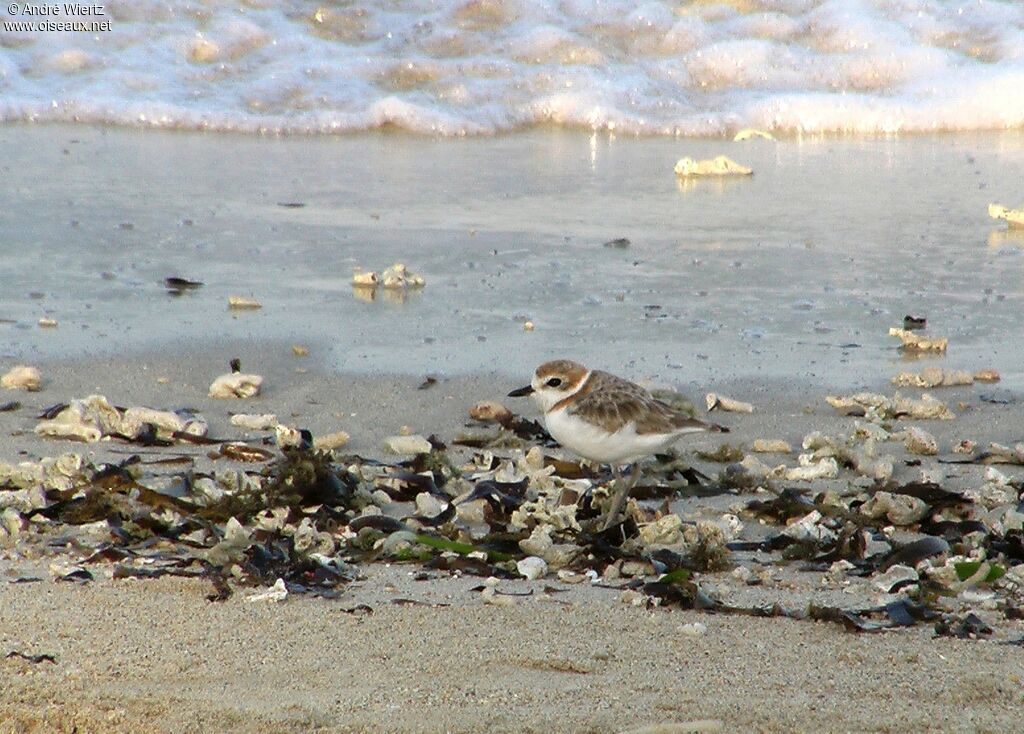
{"x": 157, "y": 656}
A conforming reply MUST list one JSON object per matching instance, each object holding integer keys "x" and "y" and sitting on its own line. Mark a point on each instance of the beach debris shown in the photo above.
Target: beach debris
{"x": 9, "y": 406}
{"x": 177, "y": 286}
{"x": 918, "y": 441}
{"x": 532, "y": 567}
{"x": 528, "y": 326}
{"x": 619, "y": 243}
{"x": 879, "y": 407}
{"x": 300, "y": 350}
{"x": 1013, "y": 217}
{"x": 236, "y": 384}
{"x": 46, "y": 323}
{"x": 717, "y": 166}
{"x": 933, "y": 377}
{"x": 331, "y": 441}
{"x": 770, "y": 446}
{"x": 399, "y": 276}
{"x": 912, "y": 342}
{"x": 33, "y": 659}
{"x": 490, "y": 411}
{"x": 914, "y": 323}
{"x": 241, "y": 303}
{"x": 277, "y": 593}
{"x": 414, "y": 444}
{"x": 22, "y": 377}
{"x": 721, "y": 402}
{"x": 428, "y": 382}
{"x": 254, "y": 422}
{"x": 297, "y": 521}
{"x": 749, "y": 133}
{"x": 93, "y": 418}
{"x": 365, "y": 279}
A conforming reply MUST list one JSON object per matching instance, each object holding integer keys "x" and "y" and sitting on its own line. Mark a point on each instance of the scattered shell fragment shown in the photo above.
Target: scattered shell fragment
{"x": 21, "y": 377}
{"x": 987, "y": 376}
{"x": 236, "y": 385}
{"x": 721, "y": 402}
{"x": 899, "y": 509}
{"x": 278, "y": 592}
{"x": 717, "y": 166}
{"x": 934, "y": 377}
{"x": 414, "y": 444}
{"x": 532, "y": 567}
{"x": 1013, "y": 217}
{"x": 254, "y": 422}
{"x": 243, "y": 303}
{"x": 399, "y": 276}
{"x": 527, "y": 326}
{"x": 918, "y": 343}
{"x": 287, "y": 436}
{"x": 45, "y": 323}
{"x": 490, "y": 411}
{"x": 693, "y": 629}
{"x": 770, "y": 446}
{"x": 919, "y": 441}
{"x": 750, "y": 133}
{"x": 331, "y": 441}
{"x": 365, "y": 279}
{"x": 826, "y": 468}
{"x": 897, "y": 574}
{"x": 300, "y": 350}
{"x": 878, "y": 406}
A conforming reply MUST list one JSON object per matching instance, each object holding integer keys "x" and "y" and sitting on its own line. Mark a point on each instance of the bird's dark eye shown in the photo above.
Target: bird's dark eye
{"x": 554, "y": 382}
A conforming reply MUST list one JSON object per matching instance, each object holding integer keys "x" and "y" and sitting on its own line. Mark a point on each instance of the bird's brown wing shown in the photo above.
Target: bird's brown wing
{"x": 612, "y": 403}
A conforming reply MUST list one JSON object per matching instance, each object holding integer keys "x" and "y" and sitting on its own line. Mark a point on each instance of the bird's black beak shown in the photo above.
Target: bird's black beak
{"x": 521, "y": 392}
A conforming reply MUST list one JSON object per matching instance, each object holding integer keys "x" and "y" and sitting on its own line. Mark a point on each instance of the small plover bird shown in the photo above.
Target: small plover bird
{"x": 606, "y": 418}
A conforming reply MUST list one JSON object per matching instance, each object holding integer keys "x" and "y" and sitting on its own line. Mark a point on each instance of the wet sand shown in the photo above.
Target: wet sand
{"x": 748, "y": 289}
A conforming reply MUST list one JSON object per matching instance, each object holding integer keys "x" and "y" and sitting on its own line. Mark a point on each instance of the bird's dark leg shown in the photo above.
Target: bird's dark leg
{"x": 621, "y": 494}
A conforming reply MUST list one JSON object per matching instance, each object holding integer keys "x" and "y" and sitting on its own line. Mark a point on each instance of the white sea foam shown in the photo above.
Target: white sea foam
{"x": 488, "y": 66}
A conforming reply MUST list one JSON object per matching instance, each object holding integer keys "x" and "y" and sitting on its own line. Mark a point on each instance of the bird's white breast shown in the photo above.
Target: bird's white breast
{"x": 595, "y": 443}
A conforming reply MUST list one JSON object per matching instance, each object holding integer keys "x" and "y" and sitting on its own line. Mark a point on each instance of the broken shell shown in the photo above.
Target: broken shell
{"x": 532, "y": 567}
{"x": 300, "y": 351}
{"x": 899, "y": 509}
{"x": 45, "y": 323}
{"x": 427, "y": 505}
{"x": 364, "y": 279}
{"x": 913, "y": 341}
{"x": 1013, "y": 217}
{"x": 693, "y": 629}
{"x": 721, "y": 402}
{"x": 919, "y": 441}
{"x": 826, "y": 468}
{"x": 490, "y": 412}
{"x": 967, "y": 446}
{"x": 253, "y": 422}
{"x": 770, "y": 446}
{"x": 399, "y": 276}
{"x": 749, "y": 133}
{"x": 896, "y": 574}
{"x": 527, "y": 326}
{"x": 287, "y": 436}
{"x": 933, "y": 377}
{"x": 331, "y": 441}
{"x": 414, "y": 444}
{"x": 22, "y": 377}
{"x": 278, "y": 592}
{"x": 809, "y": 527}
{"x": 236, "y": 385}
{"x": 717, "y": 166}
{"x": 243, "y": 303}
{"x": 987, "y": 376}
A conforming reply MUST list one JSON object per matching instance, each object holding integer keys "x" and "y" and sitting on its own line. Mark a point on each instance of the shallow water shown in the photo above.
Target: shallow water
{"x": 467, "y": 67}
{"x": 774, "y": 276}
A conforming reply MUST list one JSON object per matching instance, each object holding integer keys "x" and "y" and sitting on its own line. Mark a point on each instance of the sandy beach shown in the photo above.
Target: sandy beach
{"x": 750, "y": 289}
